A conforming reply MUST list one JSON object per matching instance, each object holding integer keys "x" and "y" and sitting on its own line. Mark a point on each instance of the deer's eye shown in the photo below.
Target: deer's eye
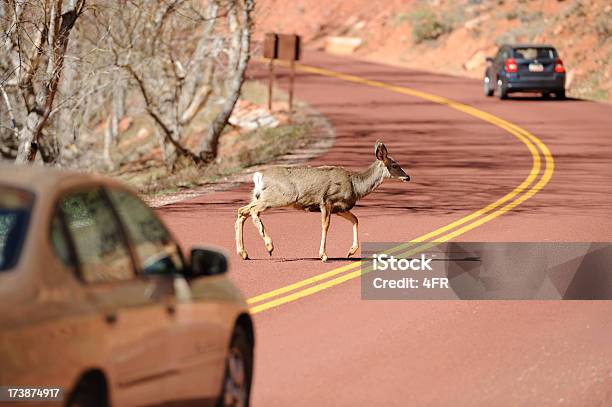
{"x": 394, "y": 166}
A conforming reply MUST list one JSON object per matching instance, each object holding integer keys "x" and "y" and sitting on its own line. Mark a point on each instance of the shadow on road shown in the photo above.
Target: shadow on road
{"x": 533, "y": 98}
{"x": 329, "y": 260}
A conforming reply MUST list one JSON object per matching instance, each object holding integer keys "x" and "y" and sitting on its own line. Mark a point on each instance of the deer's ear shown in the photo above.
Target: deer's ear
{"x": 380, "y": 150}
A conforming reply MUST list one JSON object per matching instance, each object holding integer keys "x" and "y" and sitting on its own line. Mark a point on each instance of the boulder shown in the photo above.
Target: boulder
{"x": 342, "y": 45}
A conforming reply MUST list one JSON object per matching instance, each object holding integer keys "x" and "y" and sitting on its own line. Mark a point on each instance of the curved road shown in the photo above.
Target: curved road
{"x": 318, "y": 343}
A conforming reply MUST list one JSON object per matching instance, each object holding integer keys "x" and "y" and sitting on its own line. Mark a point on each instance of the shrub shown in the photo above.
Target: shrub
{"x": 575, "y": 9}
{"x": 427, "y": 26}
{"x": 453, "y": 16}
{"x": 400, "y": 18}
{"x": 531, "y": 17}
{"x": 603, "y": 25}
{"x": 512, "y": 15}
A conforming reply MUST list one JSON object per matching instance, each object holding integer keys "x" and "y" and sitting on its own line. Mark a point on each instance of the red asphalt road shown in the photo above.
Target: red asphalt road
{"x": 332, "y": 348}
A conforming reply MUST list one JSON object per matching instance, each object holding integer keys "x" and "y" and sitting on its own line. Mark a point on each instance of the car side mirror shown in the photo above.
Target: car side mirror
{"x": 207, "y": 262}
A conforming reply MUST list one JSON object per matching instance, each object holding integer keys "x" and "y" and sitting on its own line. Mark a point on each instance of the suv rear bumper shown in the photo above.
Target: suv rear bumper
{"x": 535, "y": 85}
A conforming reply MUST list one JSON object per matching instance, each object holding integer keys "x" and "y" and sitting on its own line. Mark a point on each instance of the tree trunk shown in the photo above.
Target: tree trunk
{"x": 48, "y": 146}
{"x": 232, "y": 62}
{"x": 59, "y": 34}
{"x": 167, "y": 156}
{"x": 111, "y": 130}
{"x": 210, "y": 143}
{"x": 26, "y": 138}
{"x": 108, "y": 141}
{"x": 193, "y": 79}
{"x": 9, "y": 137}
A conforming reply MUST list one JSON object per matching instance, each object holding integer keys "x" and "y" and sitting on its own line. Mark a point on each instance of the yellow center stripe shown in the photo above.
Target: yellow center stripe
{"x": 509, "y": 201}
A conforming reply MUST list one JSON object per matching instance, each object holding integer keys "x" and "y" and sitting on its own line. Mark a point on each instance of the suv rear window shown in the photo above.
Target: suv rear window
{"x": 534, "y": 53}
{"x": 15, "y": 207}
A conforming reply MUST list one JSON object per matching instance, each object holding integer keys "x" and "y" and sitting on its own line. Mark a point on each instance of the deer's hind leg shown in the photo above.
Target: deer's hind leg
{"x": 353, "y": 219}
{"x": 255, "y": 211}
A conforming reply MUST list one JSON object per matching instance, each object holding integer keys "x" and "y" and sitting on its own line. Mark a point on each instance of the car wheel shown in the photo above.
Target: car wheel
{"x": 545, "y": 95}
{"x": 488, "y": 89}
{"x": 560, "y": 94}
{"x": 238, "y": 372}
{"x": 502, "y": 89}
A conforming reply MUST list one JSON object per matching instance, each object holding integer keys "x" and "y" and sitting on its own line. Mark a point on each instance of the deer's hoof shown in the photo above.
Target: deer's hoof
{"x": 270, "y": 248}
{"x": 324, "y": 257}
{"x": 243, "y": 254}
{"x": 352, "y": 251}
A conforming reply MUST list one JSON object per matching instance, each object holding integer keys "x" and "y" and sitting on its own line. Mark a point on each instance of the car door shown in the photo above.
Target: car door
{"x": 197, "y": 340}
{"x": 132, "y": 308}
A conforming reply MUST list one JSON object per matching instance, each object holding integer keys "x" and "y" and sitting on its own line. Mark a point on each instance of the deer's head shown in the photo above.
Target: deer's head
{"x": 393, "y": 168}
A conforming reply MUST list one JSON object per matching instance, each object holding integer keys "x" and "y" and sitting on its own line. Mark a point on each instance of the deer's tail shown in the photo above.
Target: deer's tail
{"x": 258, "y": 181}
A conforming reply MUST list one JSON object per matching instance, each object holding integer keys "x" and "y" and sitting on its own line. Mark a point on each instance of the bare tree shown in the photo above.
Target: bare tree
{"x": 176, "y": 53}
{"x": 64, "y": 87}
{"x": 36, "y": 36}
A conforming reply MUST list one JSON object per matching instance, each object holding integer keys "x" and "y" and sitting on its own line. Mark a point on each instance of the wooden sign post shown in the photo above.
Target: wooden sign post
{"x": 270, "y": 51}
{"x": 286, "y": 47}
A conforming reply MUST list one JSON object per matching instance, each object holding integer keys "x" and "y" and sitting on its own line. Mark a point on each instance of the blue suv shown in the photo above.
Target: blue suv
{"x": 525, "y": 68}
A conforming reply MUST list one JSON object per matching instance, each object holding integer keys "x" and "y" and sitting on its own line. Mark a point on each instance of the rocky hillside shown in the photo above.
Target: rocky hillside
{"x": 454, "y": 36}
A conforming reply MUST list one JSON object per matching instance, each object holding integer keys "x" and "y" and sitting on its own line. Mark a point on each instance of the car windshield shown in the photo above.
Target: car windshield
{"x": 534, "y": 53}
{"x": 15, "y": 207}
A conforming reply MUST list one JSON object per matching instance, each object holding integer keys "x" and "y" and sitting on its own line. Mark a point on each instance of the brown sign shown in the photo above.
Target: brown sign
{"x": 282, "y": 46}
{"x": 289, "y": 47}
{"x": 270, "y": 48}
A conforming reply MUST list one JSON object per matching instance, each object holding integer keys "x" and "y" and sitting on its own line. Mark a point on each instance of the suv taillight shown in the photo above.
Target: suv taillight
{"x": 510, "y": 65}
{"x": 559, "y": 68}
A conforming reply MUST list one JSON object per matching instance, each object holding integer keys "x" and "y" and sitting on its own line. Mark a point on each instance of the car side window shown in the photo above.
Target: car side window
{"x": 154, "y": 246}
{"x": 59, "y": 241}
{"x": 99, "y": 244}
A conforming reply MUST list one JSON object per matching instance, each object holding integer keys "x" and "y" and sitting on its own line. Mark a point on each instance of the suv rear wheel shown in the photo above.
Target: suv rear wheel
{"x": 502, "y": 89}
{"x": 560, "y": 94}
{"x": 488, "y": 88}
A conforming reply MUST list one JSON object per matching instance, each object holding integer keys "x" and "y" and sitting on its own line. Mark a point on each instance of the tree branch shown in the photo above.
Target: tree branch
{"x": 157, "y": 117}
{"x": 9, "y": 108}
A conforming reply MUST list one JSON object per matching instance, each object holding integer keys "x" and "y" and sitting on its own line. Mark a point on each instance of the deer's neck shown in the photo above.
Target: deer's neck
{"x": 368, "y": 180}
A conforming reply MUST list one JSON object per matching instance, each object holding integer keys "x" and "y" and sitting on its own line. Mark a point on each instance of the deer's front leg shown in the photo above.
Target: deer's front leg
{"x": 325, "y": 218}
{"x": 242, "y": 215}
{"x": 353, "y": 219}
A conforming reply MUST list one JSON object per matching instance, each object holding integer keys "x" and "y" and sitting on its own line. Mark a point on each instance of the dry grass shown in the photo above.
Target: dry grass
{"x": 253, "y": 148}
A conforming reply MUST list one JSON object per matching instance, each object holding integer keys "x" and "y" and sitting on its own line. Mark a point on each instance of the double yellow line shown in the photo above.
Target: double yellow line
{"x": 541, "y": 171}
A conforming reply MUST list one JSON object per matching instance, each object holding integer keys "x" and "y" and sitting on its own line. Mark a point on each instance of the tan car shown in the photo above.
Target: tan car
{"x": 97, "y": 298}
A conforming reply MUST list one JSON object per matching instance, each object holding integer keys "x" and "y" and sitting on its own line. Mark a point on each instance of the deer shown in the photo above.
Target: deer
{"x": 328, "y": 189}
